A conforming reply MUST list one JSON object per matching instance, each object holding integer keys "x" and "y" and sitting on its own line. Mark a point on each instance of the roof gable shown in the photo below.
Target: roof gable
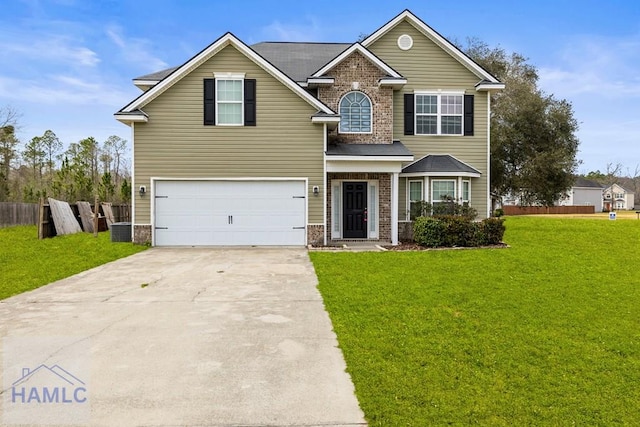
{"x": 616, "y": 188}
{"x": 226, "y": 40}
{"x": 487, "y": 79}
{"x": 357, "y": 47}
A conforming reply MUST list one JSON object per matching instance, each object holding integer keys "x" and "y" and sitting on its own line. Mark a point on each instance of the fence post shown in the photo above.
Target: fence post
{"x": 41, "y": 219}
{"x": 95, "y": 217}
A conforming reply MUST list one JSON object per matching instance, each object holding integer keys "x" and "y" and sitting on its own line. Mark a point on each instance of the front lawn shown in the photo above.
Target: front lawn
{"x": 27, "y": 263}
{"x": 546, "y": 332}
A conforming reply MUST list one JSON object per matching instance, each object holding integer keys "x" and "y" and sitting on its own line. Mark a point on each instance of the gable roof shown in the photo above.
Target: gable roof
{"x": 610, "y": 188}
{"x": 357, "y": 47}
{"x": 440, "y": 164}
{"x": 489, "y": 81}
{"x": 226, "y": 40}
{"x": 299, "y": 60}
{"x": 586, "y": 183}
{"x": 156, "y": 76}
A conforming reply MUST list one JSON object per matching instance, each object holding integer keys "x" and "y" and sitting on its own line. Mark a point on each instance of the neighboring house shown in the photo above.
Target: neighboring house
{"x": 584, "y": 192}
{"x": 308, "y": 143}
{"x": 617, "y": 198}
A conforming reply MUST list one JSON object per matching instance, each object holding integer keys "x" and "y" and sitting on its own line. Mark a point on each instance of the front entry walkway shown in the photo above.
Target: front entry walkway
{"x": 187, "y": 337}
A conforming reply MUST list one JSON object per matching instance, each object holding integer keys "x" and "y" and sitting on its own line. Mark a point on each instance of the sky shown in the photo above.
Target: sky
{"x": 67, "y": 65}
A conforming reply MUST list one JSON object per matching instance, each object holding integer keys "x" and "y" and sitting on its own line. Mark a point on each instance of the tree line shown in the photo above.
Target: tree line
{"x": 40, "y": 168}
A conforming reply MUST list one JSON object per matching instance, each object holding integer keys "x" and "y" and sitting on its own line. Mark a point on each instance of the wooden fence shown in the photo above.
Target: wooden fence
{"x": 539, "y": 210}
{"x": 18, "y": 214}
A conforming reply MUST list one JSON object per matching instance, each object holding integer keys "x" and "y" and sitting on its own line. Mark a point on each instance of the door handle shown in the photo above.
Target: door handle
{"x": 366, "y": 214}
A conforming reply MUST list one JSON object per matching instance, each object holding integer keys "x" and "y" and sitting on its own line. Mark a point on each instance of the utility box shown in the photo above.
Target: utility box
{"x": 121, "y": 232}
{"x": 612, "y": 216}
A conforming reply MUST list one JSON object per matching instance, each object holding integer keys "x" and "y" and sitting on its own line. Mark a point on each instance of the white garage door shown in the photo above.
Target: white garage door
{"x": 209, "y": 213}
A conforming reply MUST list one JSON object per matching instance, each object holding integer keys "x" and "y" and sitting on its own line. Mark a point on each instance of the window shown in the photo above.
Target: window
{"x": 229, "y": 102}
{"x": 373, "y": 210}
{"x": 439, "y": 114}
{"x": 415, "y": 197}
{"x": 443, "y": 190}
{"x": 466, "y": 191}
{"x": 355, "y": 113}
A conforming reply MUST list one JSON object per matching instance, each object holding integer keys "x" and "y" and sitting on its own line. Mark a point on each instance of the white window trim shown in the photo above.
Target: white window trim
{"x": 336, "y": 209}
{"x": 455, "y": 189}
{"x": 370, "y": 117}
{"x": 373, "y": 234}
{"x": 438, "y": 93}
{"x": 233, "y": 77}
{"x": 336, "y": 215}
{"x": 409, "y": 181}
{"x": 462, "y": 199}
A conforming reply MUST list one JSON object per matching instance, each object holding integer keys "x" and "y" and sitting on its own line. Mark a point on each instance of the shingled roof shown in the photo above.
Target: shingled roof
{"x": 586, "y": 183}
{"x": 296, "y": 60}
{"x": 395, "y": 149}
{"x": 440, "y": 164}
{"x": 299, "y": 60}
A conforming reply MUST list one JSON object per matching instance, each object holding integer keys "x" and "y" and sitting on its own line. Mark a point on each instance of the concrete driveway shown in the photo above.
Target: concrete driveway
{"x": 180, "y": 337}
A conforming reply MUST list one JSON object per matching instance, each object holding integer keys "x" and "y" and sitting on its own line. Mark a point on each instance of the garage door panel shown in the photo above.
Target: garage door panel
{"x": 206, "y": 213}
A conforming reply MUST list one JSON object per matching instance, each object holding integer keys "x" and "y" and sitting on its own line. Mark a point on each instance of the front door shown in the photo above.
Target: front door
{"x": 355, "y": 210}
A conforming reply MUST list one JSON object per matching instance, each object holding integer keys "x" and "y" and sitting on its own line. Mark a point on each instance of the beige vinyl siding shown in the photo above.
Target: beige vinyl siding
{"x": 176, "y": 144}
{"x": 426, "y": 66}
{"x": 403, "y": 203}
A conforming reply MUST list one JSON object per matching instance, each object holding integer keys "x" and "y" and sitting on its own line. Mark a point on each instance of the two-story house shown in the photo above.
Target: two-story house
{"x": 617, "y": 198}
{"x": 308, "y": 143}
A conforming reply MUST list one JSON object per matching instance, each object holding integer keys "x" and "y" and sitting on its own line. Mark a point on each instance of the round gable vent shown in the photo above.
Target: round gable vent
{"x": 405, "y": 42}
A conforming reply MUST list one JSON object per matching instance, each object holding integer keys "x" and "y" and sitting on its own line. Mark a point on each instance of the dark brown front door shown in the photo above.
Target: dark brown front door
{"x": 354, "y": 210}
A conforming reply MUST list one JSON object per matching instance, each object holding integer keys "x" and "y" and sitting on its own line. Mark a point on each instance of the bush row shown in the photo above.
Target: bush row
{"x": 457, "y": 231}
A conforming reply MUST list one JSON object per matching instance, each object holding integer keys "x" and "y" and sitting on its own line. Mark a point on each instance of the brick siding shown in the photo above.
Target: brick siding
{"x": 358, "y": 69}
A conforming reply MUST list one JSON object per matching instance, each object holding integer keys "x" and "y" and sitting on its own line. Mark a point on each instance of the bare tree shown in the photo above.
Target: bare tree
{"x": 119, "y": 147}
{"x": 8, "y": 143}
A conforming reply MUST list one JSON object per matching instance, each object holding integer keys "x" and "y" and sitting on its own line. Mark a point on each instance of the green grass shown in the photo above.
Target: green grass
{"x": 27, "y": 263}
{"x": 546, "y": 332}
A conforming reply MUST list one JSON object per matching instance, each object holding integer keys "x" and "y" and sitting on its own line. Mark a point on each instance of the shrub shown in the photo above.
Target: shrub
{"x": 419, "y": 209}
{"x": 428, "y": 231}
{"x": 492, "y": 231}
{"x": 452, "y": 208}
{"x": 499, "y": 212}
{"x": 457, "y": 231}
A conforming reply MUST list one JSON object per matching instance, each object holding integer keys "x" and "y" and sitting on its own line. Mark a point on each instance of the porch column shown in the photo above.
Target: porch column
{"x": 394, "y": 208}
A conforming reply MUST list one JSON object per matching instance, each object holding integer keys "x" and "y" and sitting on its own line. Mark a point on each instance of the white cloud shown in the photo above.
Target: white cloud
{"x": 595, "y": 65}
{"x": 61, "y": 90}
{"x": 309, "y": 31}
{"x": 135, "y": 50}
{"x": 49, "y": 48}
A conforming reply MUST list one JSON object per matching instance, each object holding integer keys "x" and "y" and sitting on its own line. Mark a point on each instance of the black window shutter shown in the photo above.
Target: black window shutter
{"x": 249, "y": 102}
{"x": 409, "y": 119}
{"x": 468, "y": 115}
{"x": 210, "y": 102}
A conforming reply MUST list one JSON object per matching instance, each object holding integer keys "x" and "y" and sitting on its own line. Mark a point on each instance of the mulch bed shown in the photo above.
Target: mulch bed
{"x": 412, "y": 246}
